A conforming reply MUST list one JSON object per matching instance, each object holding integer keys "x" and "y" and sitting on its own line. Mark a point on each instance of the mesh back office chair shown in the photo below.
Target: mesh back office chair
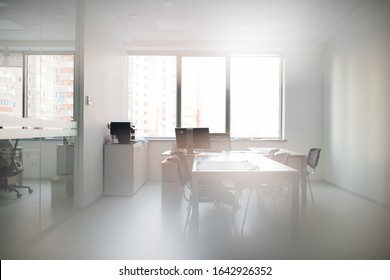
{"x": 220, "y": 142}
{"x": 312, "y": 161}
{"x": 10, "y": 166}
{"x": 215, "y": 194}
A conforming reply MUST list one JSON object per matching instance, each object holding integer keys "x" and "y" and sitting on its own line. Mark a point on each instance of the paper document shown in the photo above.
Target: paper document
{"x": 226, "y": 165}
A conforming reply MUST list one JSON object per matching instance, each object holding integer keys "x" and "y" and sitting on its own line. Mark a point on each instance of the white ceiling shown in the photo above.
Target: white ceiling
{"x": 185, "y": 21}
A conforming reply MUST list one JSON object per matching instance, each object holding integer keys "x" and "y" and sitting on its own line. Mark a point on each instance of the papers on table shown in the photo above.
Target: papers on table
{"x": 226, "y": 165}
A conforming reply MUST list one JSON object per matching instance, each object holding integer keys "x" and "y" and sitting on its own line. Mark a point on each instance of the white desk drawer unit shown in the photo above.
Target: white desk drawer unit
{"x": 125, "y": 168}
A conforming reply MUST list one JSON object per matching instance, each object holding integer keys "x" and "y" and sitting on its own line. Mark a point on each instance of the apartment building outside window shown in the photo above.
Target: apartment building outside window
{"x": 152, "y": 94}
{"x": 49, "y": 90}
{"x": 203, "y": 102}
{"x": 239, "y": 94}
{"x": 11, "y": 85}
{"x": 50, "y": 84}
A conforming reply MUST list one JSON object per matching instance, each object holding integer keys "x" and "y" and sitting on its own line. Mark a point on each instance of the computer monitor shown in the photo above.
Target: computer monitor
{"x": 192, "y": 138}
{"x": 181, "y": 137}
{"x": 201, "y": 138}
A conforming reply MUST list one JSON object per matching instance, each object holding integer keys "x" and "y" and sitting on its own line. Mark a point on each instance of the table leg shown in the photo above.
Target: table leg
{"x": 194, "y": 225}
{"x": 295, "y": 209}
{"x": 303, "y": 182}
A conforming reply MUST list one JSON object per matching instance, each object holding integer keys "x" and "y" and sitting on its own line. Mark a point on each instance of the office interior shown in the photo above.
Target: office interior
{"x": 336, "y": 94}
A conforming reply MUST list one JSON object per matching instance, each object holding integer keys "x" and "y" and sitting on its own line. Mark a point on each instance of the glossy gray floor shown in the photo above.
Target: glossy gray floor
{"x": 341, "y": 225}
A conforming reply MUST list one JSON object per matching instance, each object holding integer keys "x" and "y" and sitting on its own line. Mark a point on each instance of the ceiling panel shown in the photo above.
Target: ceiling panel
{"x": 189, "y": 21}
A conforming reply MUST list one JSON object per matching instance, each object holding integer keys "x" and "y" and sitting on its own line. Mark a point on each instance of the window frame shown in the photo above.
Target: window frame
{"x": 26, "y": 79}
{"x": 227, "y": 55}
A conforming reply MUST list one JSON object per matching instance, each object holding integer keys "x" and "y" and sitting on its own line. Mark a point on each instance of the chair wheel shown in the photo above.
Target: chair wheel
{"x": 18, "y": 195}
{"x": 30, "y": 191}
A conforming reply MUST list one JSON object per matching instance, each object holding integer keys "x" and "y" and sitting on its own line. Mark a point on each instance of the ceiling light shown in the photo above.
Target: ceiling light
{"x": 133, "y": 16}
{"x": 168, "y": 3}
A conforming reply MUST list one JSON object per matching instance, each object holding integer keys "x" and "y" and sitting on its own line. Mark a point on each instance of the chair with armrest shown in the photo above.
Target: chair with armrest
{"x": 10, "y": 166}
{"x": 219, "y": 195}
{"x": 312, "y": 161}
{"x": 272, "y": 152}
{"x": 220, "y": 142}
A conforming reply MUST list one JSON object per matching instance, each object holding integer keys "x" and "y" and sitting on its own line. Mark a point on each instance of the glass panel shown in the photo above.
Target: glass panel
{"x": 40, "y": 32}
{"x": 204, "y": 93}
{"x": 152, "y": 94}
{"x": 50, "y": 87}
{"x": 20, "y": 206}
{"x": 256, "y": 96}
{"x": 57, "y": 179}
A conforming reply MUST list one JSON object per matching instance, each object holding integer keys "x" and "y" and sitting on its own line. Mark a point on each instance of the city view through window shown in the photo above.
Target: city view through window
{"x": 48, "y": 91}
{"x": 255, "y": 84}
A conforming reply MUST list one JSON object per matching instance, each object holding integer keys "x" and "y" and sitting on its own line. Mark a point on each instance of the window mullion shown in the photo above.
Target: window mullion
{"x": 178, "y": 90}
{"x": 228, "y": 115}
{"x": 25, "y": 87}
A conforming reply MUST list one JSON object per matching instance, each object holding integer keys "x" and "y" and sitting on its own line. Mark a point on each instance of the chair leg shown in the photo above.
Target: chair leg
{"x": 246, "y": 211}
{"x": 187, "y": 224}
{"x": 23, "y": 187}
{"x": 311, "y": 191}
{"x": 275, "y": 210}
{"x": 12, "y": 189}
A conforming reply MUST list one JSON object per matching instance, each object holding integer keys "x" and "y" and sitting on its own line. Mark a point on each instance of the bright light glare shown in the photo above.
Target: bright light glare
{"x": 256, "y": 98}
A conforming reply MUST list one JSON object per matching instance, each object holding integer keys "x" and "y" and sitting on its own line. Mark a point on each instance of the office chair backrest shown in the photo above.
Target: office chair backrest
{"x": 220, "y": 141}
{"x": 272, "y": 152}
{"x": 182, "y": 168}
{"x": 9, "y": 164}
{"x": 5, "y": 153}
{"x": 313, "y": 157}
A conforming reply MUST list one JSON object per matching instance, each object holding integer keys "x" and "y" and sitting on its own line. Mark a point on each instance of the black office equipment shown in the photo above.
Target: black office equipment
{"x": 123, "y": 131}
{"x": 192, "y": 138}
{"x": 10, "y": 166}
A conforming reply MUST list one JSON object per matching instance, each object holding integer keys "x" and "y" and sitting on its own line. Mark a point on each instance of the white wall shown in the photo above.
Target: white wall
{"x": 105, "y": 80}
{"x": 357, "y": 129}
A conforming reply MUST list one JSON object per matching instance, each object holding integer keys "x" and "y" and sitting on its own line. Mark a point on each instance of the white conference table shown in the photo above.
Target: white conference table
{"x": 243, "y": 166}
{"x": 296, "y": 160}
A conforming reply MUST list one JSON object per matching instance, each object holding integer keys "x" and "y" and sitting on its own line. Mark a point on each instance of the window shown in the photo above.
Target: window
{"x": 50, "y": 86}
{"x": 152, "y": 94}
{"x": 49, "y": 90}
{"x": 236, "y": 93}
{"x": 255, "y": 96}
{"x": 203, "y": 101}
{"x": 11, "y": 85}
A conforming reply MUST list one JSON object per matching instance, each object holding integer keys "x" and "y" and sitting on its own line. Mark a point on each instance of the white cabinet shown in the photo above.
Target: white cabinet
{"x": 125, "y": 168}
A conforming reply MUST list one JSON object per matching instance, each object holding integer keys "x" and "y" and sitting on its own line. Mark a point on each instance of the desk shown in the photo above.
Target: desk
{"x": 243, "y": 166}
{"x": 297, "y": 161}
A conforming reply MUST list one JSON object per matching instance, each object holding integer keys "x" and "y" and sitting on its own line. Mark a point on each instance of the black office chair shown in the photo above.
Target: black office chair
{"x": 312, "y": 161}
{"x": 220, "y": 142}
{"x": 219, "y": 195}
{"x": 10, "y": 166}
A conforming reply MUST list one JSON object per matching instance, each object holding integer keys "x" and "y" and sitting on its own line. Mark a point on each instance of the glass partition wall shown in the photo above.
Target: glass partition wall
{"x": 38, "y": 124}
